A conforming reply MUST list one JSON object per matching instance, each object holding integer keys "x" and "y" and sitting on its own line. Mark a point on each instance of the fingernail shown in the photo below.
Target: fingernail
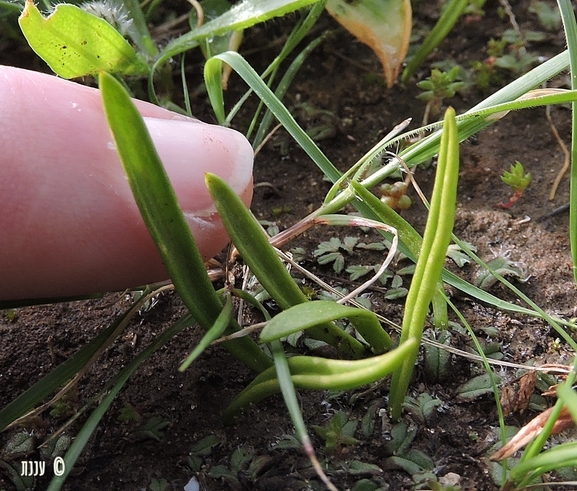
{"x": 189, "y": 149}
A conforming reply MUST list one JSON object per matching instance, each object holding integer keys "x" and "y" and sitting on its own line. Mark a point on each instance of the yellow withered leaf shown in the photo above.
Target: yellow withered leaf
{"x": 384, "y": 25}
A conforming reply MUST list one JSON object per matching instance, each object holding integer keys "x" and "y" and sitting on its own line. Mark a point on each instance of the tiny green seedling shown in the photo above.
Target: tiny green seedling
{"x": 128, "y": 413}
{"x": 403, "y": 457}
{"x": 437, "y": 87}
{"x": 503, "y": 266}
{"x": 330, "y": 251}
{"x": 337, "y": 432}
{"x": 158, "y": 484}
{"x": 518, "y": 180}
{"x": 153, "y": 429}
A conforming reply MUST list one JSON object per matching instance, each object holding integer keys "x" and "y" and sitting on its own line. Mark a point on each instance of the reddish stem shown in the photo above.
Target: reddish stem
{"x": 505, "y": 206}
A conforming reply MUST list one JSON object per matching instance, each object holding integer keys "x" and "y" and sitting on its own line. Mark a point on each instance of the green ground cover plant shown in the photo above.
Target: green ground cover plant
{"x": 371, "y": 352}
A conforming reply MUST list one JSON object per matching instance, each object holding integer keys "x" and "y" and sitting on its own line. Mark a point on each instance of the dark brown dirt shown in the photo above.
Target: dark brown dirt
{"x": 456, "y": 437}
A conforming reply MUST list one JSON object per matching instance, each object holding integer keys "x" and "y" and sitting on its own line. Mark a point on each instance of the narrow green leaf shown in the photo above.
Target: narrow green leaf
{"x": 306, "y": 315}
{"x": 75, "y": 43}
{"x": 564, "y": 455}
{"x": 81, "y": 439}
{"x": 566, "y": 8}
{"x": 212, "y": 74}
{"x": 222, "y": 322}
{"x": 60, "y": 375}
{"x": 287, "y": 389}
{"x": 164, "y": 219}
{"x": 241, "y": 16}
{"x": 453, "y": 10}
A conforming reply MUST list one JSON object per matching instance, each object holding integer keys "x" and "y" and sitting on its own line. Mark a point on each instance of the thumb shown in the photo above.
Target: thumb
{"x": 69, "y": 223}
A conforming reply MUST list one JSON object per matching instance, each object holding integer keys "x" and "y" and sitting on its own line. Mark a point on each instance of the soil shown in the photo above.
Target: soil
{"x": 173, "y": 411}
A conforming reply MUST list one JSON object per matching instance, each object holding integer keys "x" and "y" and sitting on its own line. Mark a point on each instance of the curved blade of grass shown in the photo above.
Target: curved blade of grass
{"x": 309, "y": 372}
{"x": 241, "y": 16}
{"x": 222, "y": 322}
{"x": 212, "y": 75}
{"x": 309, "y": 314}
{"x": 85, "y": 433}
{"x": 164, "y": 219}
{"x": 115, "y": 386}
{"x": 431, "y": 258}
{"x": 298, "y": 33}
{"x": 283, "y": 86}
{"x": 469, "y": 123}
{"x": 451, "y": 13}
{"x": 252, "y": 242}
{"x": 429, "y": 146}
{"x": 564, "y": 455}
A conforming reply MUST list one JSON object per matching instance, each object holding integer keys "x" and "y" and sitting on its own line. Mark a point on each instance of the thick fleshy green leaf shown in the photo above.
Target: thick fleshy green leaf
{"x": 252, "y": 243}
{"x": 309, "y": 372}
{"x": 164, "y": 219}
{"x": 75, "y": 43}
{"x": 317, "y": 312}
{"x": 432, "y": 254}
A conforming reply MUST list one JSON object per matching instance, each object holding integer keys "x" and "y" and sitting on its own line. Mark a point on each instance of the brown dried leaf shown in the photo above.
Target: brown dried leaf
{"x": 517, "y": 399}
{"x": 531, "y": 430}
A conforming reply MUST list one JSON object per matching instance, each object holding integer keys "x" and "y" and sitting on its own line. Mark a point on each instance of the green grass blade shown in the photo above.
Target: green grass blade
{"x": 163, "y": 217}
{"x": 241, "y": 16}
{"x": 283, "y": 86}
{"x": 118, "y": 382}
{"x": 564, "y": 455}
{"x": 85, "y": 433}
{"x": 295, "y": 37}
{"x": 287, "y": 389}
{"x": 410, "y": 242}
{"x": 429, "y": 146}
{"x": 212, "y": 74}
{"x": 60, "y": 375}
{"x": 431, "y": 258}
{"x": 570, "y": 25}
{"x": 252, "y": 242}
{"x": 569, "y": 397}
{"x": 451, "y": 13}
{"x": 222, "y": 322}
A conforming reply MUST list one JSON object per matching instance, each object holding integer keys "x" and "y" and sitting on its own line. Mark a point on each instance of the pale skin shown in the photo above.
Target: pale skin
{"x": 69, "y": 224}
